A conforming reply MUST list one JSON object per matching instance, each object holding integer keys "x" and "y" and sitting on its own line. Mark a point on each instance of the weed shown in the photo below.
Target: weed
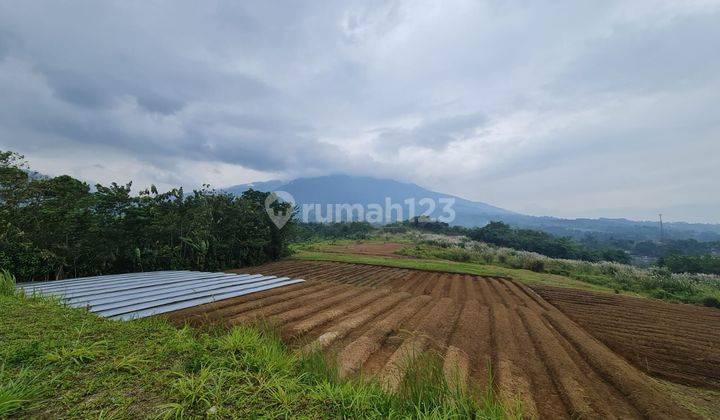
{"x": 127, "y": 364}
{"x": 18, "y": 391}
{"x": 78, "y": 353}
{"x": 7, "y": 283}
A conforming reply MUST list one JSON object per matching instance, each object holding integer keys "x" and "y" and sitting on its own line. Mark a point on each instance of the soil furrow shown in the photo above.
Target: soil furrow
{"x": 267, "y": 311}
{"x": 353, "y": 356}
{"x": 228, "y": 311}
{"x": 512, "y": 381}
{"x": 216, "y": 311}
{"x": 319, "y": 305}
{"x": 433, "y": 330}
{"x": 353, "y": 321}
{"x": 469, "y": 350}
{"x": 297, "y": 329}
{"x": 619, "y": 373}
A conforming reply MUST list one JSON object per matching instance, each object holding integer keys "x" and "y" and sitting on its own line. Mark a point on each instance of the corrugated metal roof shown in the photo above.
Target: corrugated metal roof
{"x": 138, "y": 295}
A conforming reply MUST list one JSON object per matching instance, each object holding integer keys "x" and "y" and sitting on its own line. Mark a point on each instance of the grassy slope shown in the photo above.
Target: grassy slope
{"x": 61, "y": 362}
{"x": 526, "y": 276}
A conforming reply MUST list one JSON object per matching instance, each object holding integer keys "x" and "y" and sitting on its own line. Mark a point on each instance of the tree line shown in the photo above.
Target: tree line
{"x": 679, "y": 263}
{"x": 502, "y": 234}
{"x": 678, "y": 255}
{"x": 57, "y": 227}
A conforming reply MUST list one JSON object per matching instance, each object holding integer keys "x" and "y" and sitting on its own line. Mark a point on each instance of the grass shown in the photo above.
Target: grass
{"x": 7, "y": 283}
{"x": 57, "y": 361}
{"x": 18, "y": 390}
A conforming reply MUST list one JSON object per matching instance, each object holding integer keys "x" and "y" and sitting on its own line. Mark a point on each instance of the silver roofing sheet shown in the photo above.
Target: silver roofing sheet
{"x": 138, "y": 295}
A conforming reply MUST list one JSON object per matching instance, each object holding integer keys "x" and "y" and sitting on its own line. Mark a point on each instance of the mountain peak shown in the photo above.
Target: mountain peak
{"x": 339, "y": 189}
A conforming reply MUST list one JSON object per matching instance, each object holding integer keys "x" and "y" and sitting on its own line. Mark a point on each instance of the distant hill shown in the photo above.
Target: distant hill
{"x": 345, "y": 189}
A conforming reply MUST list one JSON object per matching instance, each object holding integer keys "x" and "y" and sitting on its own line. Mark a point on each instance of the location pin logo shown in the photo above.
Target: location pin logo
{"x": 279, "y": 217}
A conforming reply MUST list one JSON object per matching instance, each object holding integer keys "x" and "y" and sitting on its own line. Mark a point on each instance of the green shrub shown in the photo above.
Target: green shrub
{"x": 537, "y": 266}
{"x": 711, "y": 301}
{"x": 7, "y": 283}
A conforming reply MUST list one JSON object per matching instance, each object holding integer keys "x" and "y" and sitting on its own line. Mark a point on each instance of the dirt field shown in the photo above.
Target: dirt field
{"x": 384, "y": 249}
{"x": 375, "y": 320}
{"x": 677, "y": 342}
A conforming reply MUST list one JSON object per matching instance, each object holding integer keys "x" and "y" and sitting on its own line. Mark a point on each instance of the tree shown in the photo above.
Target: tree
{"x": 57, "y": 227}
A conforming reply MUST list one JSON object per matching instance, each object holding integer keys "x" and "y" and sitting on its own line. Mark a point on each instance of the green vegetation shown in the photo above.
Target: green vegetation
{"x": 62, "y": 362}
{"x": 305, "y": 232}
{"x": 666, "y": 247}
{"x": 7, "y": 283}
{"x": 498, "y": 233}
{"x": 677, "y": 263}
{"x": 501, "y": 234}
{"x": 587, "y": 246}
{"x": 58, "y": 227}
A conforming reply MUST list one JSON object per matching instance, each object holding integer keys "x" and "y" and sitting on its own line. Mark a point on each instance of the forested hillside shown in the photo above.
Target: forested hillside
{"x": 59, "y": 227}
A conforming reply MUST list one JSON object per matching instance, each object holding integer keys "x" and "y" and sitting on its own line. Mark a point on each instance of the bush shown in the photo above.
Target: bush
{"x": 7, "y": 283}
{"x": 537, "y": 266}
{"x": 711, "y": 301}
{"x": 457, "y": 254}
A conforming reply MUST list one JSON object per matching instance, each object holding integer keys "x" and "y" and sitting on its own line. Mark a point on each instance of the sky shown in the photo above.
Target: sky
{"x": 562, "y": 108}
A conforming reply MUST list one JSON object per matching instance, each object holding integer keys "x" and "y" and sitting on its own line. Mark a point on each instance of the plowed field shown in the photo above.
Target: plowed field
{"x": 384, "y": 249}
{"x": 677, "y": 342}
{"x": 376, "y": 320}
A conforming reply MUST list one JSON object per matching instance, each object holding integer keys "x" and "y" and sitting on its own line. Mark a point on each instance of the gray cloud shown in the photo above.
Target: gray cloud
{"x": 434, "y": 134}
{"x": 527, "y": 106}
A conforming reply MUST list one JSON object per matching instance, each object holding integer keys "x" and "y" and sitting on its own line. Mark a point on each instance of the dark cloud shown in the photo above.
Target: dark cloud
{"x": 78, "y": 89}
{"x": 435, "y": 134}
{"x": 159, "y": 104}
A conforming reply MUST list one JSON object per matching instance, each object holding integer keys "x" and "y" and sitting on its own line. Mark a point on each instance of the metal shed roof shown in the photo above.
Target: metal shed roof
{"x": 138, "y": 295}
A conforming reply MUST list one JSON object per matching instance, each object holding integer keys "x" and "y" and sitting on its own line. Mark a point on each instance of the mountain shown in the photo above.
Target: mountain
{"x": 344, "y": 189}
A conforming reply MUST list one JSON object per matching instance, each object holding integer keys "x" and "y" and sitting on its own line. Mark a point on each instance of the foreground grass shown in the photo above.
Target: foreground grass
{"x": 526, "y": 276}
{"x": 61, "y": 362}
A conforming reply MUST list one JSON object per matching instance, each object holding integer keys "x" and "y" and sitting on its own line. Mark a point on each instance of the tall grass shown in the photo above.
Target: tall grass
{"x": 7, "y": 283}
{"x": 426, "y": 392}
{"x": 18, "y": 391}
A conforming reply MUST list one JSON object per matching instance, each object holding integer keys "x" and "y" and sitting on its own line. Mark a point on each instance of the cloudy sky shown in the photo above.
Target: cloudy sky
{"x": 571, "y": 109}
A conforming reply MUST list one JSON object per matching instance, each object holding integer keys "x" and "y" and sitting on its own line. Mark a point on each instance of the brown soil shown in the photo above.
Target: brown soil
{"x": 376, "y": 320}
{"x": 384, "y": 249}
{"x": 676, "y": 342}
